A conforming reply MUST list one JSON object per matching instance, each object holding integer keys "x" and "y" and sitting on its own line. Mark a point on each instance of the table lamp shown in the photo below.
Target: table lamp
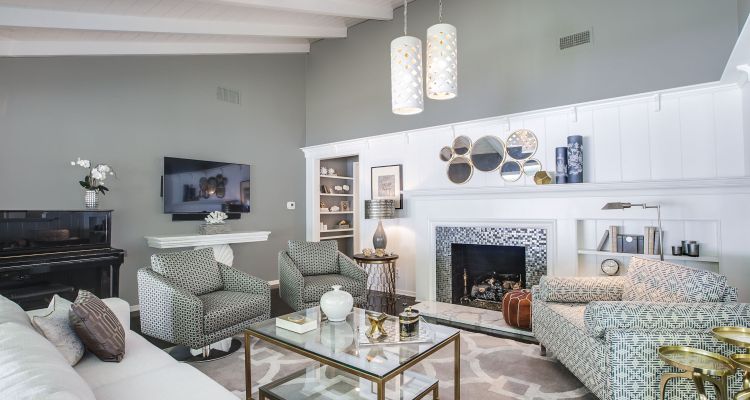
{"x": 380, "y": 209}
{"x": 622, "y": 206}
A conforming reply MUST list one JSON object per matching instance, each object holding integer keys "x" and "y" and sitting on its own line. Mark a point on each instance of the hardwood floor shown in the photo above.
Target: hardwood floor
{"x": 279, "y": 307}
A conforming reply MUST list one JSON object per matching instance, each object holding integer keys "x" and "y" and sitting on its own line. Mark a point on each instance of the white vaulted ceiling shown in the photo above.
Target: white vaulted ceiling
{"x": 91, "y": 27}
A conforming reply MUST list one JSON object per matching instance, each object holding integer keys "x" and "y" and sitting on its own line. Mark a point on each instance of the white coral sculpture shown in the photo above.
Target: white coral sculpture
{"x": 216, "y": 217}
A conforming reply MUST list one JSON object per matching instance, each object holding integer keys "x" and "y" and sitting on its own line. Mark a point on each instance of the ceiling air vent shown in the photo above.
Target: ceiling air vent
{"x": 575, "y": 39}
{"x": 228, "y": 95}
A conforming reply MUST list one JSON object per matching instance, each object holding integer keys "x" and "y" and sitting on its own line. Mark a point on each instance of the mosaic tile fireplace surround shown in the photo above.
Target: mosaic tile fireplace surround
{"x": 534, "y": 240}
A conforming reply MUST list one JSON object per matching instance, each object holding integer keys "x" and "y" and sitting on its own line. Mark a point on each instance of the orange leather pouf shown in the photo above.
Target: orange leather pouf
{"x": 517, "y": 308}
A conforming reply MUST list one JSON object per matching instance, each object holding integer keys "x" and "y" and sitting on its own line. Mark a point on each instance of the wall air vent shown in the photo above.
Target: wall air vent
{"x": 228, "y": 95}
{"x": 575, "y": 39}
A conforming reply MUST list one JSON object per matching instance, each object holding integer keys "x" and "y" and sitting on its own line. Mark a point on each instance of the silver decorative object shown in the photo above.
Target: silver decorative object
{"x": 91, "y": 199}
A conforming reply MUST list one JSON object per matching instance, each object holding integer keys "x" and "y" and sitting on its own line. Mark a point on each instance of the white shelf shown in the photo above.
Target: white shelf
{"x": 337, "y": 194}
{"x": 335, "y": 237}
{"x": 338, "y": 230}
{"x": 175, "y": 241}
{"x": 336, "y": 212}
{"x": 652, "y": 256}
{"x": 348, "y": 178}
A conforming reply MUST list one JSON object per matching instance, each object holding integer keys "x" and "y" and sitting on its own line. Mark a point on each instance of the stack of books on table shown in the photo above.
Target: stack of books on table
{"x": 297, "y": 323}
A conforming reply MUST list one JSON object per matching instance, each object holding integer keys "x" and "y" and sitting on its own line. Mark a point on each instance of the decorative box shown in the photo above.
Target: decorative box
{"x": 213, "y": 229}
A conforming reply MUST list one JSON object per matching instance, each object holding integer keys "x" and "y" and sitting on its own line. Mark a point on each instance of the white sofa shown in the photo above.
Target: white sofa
{"x": 32, "y": 368}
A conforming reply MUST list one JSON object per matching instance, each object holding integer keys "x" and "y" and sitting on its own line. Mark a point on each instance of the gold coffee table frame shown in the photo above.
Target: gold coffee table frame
{"x": 380, "y": 381}
{"x": 729, "y": 334}
{"x": 700, "y": 375}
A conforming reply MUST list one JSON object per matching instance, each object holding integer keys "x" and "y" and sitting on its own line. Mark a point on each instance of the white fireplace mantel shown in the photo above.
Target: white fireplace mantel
{"x": 220, "y": 242}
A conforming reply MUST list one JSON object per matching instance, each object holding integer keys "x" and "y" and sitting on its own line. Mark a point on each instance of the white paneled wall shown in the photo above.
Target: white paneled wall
{"x": 666, "y": 147}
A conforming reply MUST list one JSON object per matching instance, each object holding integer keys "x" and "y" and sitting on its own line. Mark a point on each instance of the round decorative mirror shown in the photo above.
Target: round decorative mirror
{"x": 460, "y": 170}
{"x": 446, "y": 153}
{"x": 487, "y": 153}
{"x": 531, "y": 166}
{"x": 522, "y": 144}
{"x": 462, "y": 145}
{"x": 511, "y": 171}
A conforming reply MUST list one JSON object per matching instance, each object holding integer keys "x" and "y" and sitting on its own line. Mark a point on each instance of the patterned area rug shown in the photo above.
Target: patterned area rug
{"x": 491, "y": 369}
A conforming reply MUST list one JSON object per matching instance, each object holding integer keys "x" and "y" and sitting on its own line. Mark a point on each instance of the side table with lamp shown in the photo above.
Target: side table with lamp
{"x": 380, "y": 265}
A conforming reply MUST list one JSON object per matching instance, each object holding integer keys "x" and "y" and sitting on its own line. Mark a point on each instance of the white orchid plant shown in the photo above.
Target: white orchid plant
{"x": 98, "y": 174}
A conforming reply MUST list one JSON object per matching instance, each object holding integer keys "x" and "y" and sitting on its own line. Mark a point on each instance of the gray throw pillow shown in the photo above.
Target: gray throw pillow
{"x": 98, "y": 327}
{"x": 55, "y": 326}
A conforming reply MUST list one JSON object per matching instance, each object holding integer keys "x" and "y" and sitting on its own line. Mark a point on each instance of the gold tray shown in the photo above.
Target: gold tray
{"x": 696, "y": 360}
{"x": 735, "y": 335}
{"x": 741, "y": 361}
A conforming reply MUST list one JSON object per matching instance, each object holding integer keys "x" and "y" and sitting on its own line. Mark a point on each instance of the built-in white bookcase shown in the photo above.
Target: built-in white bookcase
{"x": 346, "y": 171}
{"x": 590, "y": 231}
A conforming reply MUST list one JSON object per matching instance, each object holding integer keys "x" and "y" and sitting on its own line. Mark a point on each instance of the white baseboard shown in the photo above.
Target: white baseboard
{"x": 409, "y": 293}
{"x": 274, "y": 282}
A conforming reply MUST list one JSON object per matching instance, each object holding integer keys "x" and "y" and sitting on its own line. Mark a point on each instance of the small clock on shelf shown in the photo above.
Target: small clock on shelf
{"x": 610, "y": 266}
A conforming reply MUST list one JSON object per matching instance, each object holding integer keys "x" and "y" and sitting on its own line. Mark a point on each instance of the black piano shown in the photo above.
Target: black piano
{"x": 43, "y": 253}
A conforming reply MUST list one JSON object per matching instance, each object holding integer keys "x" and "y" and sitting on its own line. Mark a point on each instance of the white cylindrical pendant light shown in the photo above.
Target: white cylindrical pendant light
{"x": 407, "y": 93}
{"x": 442, "y": 59}
{"x": 442, "y": 62}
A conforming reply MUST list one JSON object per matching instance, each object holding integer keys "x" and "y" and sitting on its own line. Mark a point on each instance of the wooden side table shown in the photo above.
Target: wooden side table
{"x": 699, "y": 365}
{"x": 382, "y": 277}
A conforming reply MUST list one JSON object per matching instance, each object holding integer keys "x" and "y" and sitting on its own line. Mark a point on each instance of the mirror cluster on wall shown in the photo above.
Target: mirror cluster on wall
{"x": 512, "y": 157}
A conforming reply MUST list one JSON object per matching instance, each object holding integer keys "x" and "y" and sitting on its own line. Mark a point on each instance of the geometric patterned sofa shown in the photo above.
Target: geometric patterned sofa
{"x": 190, "y": 299}
{"x": 309, "y": 269}
{"x": 607, "y": 330}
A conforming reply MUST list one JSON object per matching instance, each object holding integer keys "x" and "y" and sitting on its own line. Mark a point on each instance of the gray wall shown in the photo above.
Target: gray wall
{"x": 132, "y": 111}
{"x": 743, "y": 9}
{"x": 509, "y": 60}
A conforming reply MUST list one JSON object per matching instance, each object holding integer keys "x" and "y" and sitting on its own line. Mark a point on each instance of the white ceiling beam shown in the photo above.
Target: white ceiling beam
{"x": 35, "y": 18}
{"x": 65, "y": 48}
{"x": 336, "y": 8}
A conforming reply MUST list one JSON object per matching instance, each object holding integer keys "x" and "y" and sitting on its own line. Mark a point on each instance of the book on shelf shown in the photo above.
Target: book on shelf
{"x": 603, "y": 242}
{"x": 652, "y": 240}
{"x": 613, "y": 231}
{"x": 297, "y": 323}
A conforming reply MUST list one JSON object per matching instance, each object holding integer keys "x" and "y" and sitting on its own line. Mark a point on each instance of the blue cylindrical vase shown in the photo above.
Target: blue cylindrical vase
{"x": 575, "y": 159}
{"x": 561, "y": 165}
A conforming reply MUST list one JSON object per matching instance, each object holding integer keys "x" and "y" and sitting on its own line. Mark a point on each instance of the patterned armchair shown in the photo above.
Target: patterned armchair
{"x": 189, "y": 298}
{"x": 309, "y": 269}
{"x": 607, "y": 330}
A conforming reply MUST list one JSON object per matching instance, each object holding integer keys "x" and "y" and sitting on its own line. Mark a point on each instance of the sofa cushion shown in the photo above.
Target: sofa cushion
{"x": 659, "y": 281}
{"x": 193, "y": 270}
{"x": 315, "y": 286}
{"x": 55, "y": 326}
{"x": 12, "y": 312}
{"x": 98, "y": 327}
{"x": 143, "y": 358}
{"x": 177, "y": 381}
{"x": 31, "y": 368}
{"x": 223, "y": 309}
{"x": 315, "y": 258}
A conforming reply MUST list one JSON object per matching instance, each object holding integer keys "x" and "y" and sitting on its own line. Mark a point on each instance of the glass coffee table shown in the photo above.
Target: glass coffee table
{"x": 379, "y": 370}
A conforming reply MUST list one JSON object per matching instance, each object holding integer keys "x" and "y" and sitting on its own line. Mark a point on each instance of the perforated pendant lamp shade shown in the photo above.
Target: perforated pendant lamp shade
{"x": 407, "y": 84}
{"x": 407, "y": 95}
{"x": 442, "y": 62}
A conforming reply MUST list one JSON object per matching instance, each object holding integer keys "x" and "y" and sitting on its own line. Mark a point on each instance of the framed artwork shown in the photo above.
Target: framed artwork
{"x": 386, "y": 182}
{"x": 344, "y": 205}
{"x": 325, "y": 189}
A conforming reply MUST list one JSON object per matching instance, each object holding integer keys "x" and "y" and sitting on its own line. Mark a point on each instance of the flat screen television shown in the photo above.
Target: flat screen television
{"x": 199, "y": 187}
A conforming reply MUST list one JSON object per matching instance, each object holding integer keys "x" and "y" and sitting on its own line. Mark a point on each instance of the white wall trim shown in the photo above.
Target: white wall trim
{"x": 710, "y": 87}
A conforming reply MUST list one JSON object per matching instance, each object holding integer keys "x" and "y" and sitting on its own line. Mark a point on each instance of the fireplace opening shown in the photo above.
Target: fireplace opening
{"x": 482, "y": 274}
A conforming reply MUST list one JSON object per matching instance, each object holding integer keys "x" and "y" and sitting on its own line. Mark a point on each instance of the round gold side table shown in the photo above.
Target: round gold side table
{"x": 382, "y": 272}
{"x": 740, "y": 337}
{"x": 699, "y": 365}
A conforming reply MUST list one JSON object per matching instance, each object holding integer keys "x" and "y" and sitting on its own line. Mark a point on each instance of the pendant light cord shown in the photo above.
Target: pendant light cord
{"x": 440, "y": 11}
{"x": 406, "y": 11}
